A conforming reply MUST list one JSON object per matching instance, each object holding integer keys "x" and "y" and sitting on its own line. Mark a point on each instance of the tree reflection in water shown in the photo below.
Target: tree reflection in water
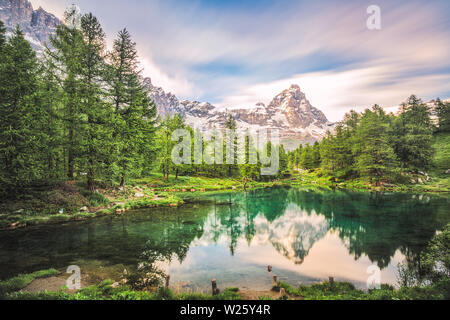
{"x": 289, "y": 220}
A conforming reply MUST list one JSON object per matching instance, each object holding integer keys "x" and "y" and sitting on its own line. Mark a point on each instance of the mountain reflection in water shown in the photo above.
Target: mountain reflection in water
{"x": 305, "y": 235}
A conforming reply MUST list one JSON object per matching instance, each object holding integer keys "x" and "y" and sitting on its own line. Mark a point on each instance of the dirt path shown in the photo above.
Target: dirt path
{"x": 45, "y": 284}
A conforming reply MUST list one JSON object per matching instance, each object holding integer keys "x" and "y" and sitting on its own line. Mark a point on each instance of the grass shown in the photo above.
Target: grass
{"x": 44, "y": 207}
{"x": 104, "y": 291}
{"x": 319, "y": 291}
{"x": 23, "y": 280}
{"x": 347, "y": 291}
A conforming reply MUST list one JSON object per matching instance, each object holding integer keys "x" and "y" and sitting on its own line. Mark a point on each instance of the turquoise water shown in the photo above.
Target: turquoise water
{"x": 306, "y": 236}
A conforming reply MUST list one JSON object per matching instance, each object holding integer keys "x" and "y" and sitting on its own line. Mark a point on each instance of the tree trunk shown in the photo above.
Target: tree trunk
{"x": 91, "y": 183}
{"x": 122, "y": 182}
{"x": 70, "y": 157}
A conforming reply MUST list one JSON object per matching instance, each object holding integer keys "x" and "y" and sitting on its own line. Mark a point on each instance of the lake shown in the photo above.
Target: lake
{"x": 306, "y": 236}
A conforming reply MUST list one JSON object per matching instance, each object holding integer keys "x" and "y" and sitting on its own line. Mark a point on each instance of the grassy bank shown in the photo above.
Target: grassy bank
{"x": 69, "y": 201}
{"x": 347, "y": 291}
{"x": 21, "y": 281}
{"x": 105, "y": 291}
{"x": 319, "y": 291}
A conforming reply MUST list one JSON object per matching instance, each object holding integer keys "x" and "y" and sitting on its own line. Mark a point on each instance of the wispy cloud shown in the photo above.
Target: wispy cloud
{"x": 239, "y": 53}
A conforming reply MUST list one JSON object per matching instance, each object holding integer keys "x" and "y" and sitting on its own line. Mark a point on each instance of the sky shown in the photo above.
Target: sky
{"x": 236, "y": 53}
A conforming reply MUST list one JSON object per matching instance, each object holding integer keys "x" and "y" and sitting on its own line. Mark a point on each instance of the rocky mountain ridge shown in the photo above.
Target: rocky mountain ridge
{"x": 37, "y": 25}
{"x": 290, "y": 112}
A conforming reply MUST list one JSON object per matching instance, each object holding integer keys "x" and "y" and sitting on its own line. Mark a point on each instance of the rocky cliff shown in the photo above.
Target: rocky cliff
{"x": 290, "y": 112}
{"x": 37, "y": 25}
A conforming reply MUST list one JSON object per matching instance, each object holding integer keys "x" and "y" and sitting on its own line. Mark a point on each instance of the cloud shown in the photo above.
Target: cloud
{"x": 337, "y": 92}
{"x": 170, "y": 84}
{"x": 238, "y": 55}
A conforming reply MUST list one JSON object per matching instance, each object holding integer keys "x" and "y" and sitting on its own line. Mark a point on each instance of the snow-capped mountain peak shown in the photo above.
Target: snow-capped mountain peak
{"x": 289, "y": 112}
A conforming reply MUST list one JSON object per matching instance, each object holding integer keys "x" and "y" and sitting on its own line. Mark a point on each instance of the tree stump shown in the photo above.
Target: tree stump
{"x": 331, "y": 280}
{"x": 215, "y": 291}
{"x": 167, "y": 281}
{"x": 274, "y": 281}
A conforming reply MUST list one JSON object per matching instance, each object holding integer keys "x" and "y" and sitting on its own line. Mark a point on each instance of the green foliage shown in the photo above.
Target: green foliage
{"x": 375, "y": 147}
{"x": 436, "y": 261}
{"x": 2, "y": 34}
{"x": 81, "y": 113}
{"x": 21, "y": 116}
{"x": 375, "y": 158}
{"x": 443, "y": 114}
{"x": 95, "y": 199}
{"x": 23, "y": 280}
{"x": 104, "y": 291}
{"x": 134, "y": 112}
{"x": 413, "y": 135}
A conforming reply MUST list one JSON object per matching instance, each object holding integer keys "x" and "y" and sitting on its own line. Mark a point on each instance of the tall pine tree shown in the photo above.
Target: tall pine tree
{"x": 63, "y": 63}
{"x": 414, "y": 135}
{"x": 97, "y": 128}
{"x": 134, "y": 112}
{"x": 21, "y": 139}
{"x": 2, "y": 34}
{"x": 375, "y": 157}
{"x": 443, "y": 114}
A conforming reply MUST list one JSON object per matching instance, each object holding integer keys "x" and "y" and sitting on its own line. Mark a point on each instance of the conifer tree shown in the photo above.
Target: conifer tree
{"x": 249, "y": 169}
{"x": 307, "y": 158}
{"x": 230, "y": 146}
{"x": 375, "y": 158}
{"x": 164, "y": 138}
{"x": 414, "y": 135}
{"x": 20, "y": 115}
{"x": 443, "y": 114}
{"x": 2, "y": 34}
{"x": 134, "y": 112}
{"x": 97, "y": 133}
{"x": 63, "y": 62}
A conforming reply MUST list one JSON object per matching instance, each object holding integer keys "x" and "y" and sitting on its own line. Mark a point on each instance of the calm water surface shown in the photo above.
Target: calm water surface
{"x": 306, "y": 236}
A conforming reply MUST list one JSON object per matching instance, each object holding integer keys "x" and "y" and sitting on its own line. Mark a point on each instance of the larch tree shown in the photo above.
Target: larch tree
{"x": 97, "y": 127}
{"x": 20, "y": 115}
{"x": 63, "y": 63}
{"x": 413, "y": 132}
{"x": 443, "y": 114}
{"x": 375, "y": 158}
{"x": 134, "y": 111}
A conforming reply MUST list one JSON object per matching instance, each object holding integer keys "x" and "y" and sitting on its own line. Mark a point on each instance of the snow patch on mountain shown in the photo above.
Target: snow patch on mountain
{"x": 289, "y": 112}
{"x": 37, "y": 25}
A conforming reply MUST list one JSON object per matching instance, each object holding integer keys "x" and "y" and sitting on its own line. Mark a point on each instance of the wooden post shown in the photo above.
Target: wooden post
{"x": 214, "y": 286}
{"x": 274, "y": 281}
{"x": 331, "y": 279}
{"x": 167, "y": 281}
{"x": 282, "y": 292}
{"x": 269, "y": 268}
